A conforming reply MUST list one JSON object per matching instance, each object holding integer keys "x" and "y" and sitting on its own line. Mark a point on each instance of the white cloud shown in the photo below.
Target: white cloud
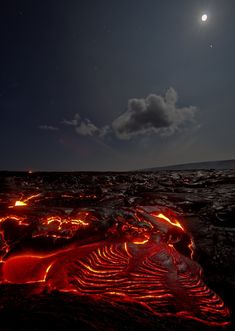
{"x": 153, "y": 114}
{"x": 48, "y": 127}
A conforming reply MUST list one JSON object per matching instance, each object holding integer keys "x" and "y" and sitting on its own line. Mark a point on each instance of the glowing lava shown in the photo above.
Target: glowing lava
{"x": 24, "y": 202}
{"x": 127, "y": 254}
{"x": 20, "y": 203}
{"x": 172, "y": 222}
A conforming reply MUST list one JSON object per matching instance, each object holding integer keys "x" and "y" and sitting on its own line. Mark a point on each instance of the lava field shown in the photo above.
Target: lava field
{"x": 117, "y": 251}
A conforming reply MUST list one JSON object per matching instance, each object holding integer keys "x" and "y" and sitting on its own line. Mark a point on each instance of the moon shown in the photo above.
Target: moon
{"x": 204, "y": 18}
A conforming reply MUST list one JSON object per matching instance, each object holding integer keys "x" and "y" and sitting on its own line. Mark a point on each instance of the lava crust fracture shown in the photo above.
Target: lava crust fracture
{"x": 127, "y": 255}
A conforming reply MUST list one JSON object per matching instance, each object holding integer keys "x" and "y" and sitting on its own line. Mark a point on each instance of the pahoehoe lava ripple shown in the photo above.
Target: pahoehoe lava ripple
{"x": 124, "y": 255}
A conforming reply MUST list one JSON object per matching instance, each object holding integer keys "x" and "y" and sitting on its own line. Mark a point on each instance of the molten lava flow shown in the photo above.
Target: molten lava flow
{"x": 172, "y": 222}
{"x": 34, "y": 196}
{"x": 24, "y": 202}
{"x": 141, "y": 242}
{"x": 20, "y": 203}
{"x": 18, "y": 219}
{"x": 125, "y": 255}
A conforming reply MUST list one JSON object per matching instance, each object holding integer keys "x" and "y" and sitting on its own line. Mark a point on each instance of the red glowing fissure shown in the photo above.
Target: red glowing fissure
{"x": 145, "y": 257}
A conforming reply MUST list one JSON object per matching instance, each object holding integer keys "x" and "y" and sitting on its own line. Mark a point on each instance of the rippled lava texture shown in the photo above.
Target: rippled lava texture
{"x": 98, "y": 259}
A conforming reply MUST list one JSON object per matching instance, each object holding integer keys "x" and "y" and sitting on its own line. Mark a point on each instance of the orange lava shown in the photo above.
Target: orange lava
{"x": 172, "y": 222}
{"x": 24, "y": 202}
{"x": 133, "y": 260}
{"x": 20, "y": 203}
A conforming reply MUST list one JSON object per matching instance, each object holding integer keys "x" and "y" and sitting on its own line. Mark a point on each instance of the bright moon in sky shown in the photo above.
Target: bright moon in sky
{"x": 204, "y": 17}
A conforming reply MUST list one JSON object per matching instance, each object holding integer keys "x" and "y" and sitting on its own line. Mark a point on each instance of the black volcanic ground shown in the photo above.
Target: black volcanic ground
{"x": 205, "y": 200}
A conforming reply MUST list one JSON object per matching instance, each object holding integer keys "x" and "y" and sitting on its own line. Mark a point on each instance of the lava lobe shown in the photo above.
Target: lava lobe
{"x": 126, "y": 255}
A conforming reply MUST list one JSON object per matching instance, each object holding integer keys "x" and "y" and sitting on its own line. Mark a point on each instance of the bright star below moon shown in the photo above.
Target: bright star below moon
{"x": 204, "y": 17}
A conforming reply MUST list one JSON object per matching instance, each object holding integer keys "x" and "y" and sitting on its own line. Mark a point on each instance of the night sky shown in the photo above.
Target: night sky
{"x": 116, "y": 85}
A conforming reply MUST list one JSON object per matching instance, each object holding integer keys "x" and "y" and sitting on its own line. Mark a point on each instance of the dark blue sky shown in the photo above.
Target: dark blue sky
{"x": 115, "y": 85}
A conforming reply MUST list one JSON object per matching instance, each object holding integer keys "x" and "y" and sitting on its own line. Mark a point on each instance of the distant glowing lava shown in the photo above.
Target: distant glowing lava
{"x": 20, "y": 203}
{"x": 24, "y": 202}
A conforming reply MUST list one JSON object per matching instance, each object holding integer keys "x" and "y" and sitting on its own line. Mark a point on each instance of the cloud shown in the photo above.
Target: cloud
{"x": 73, "y": 122}
{"x": 86, "y": 127}
{"x": 153, "y": 114}
{"x": 48, "y": 127}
